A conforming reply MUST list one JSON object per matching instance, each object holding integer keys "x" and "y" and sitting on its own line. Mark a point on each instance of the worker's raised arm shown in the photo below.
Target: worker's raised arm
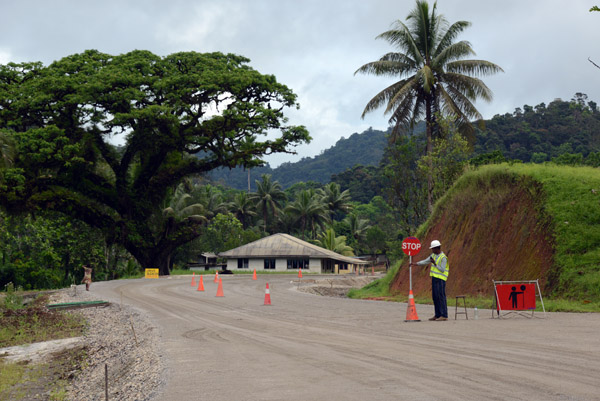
{"x": 425, "y": 262}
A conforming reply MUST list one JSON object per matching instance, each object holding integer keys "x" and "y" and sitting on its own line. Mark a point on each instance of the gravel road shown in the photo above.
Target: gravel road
{"x": 310, "y": 347}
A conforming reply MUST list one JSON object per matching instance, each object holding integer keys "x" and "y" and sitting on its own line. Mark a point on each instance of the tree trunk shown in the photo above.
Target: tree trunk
{"x": 265, "y": 220}
{"x": 157, "y": 255}
{"x": 66, "y": 264}
{"x": 163, "y": 268}
{"x": 154, "y": 258}
{"x": 162, "y": 262}
{"x": 429, "y": 131}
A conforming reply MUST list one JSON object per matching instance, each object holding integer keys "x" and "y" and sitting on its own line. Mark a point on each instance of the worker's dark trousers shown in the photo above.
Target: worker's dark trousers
{"x": 438, "y": 293}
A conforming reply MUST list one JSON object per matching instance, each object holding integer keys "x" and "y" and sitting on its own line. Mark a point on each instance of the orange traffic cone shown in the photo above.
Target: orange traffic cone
{"x": 299, "y": 273}
{"x": 267, "y": 295}
{"x": 411, "y": 311}
{"x": 220, "y": 289}
{"x": 193, "y": 281}
{"x": 200, "y": 284}
{"x": 254, "y": 275}
{"x": 216, "y": 277}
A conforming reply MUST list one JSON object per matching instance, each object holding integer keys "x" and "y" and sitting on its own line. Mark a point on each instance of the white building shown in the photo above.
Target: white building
{"x": 283, "y": 252}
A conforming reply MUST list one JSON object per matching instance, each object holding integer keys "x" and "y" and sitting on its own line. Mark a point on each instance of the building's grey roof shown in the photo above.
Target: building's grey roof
{"x": 209, "y": 255}
{"x": 285, "y": 245}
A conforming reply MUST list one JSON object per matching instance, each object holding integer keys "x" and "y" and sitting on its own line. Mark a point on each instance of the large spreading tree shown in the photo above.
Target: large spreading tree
{"x": 435, "y": 75}
{"x": 180, "y": 115}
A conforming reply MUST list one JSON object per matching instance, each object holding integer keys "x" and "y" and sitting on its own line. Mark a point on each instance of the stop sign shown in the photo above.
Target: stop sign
{"x": 411, "y": 246}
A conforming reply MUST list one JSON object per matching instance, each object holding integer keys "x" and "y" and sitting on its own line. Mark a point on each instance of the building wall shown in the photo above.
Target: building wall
{"x": 314, "y": 265}
{"x": 350, "y": 268}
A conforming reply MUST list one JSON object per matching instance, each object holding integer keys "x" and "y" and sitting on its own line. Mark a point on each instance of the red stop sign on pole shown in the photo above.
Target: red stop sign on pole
{"x": 411, "y": 246}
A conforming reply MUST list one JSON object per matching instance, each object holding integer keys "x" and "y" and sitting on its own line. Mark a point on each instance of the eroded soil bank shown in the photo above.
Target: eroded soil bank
{"x": 489, "y": 232}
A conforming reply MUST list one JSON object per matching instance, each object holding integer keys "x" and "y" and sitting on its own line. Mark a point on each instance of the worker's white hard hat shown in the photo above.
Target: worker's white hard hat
{"x": 435, "y": 243}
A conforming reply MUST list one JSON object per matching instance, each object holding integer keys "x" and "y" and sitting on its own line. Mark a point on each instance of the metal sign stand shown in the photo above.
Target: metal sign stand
{"x": 410, "y": 273}
{"x": 411, "y": 245}
{"x": 498, "y": 308}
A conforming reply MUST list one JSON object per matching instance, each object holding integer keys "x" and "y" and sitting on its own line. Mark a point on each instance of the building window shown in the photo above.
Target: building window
{"x": 297, "y": 263}
{"x": 243, "y": 263}
{"x": 269, "y": 264}
{"x": 343, "y": 266}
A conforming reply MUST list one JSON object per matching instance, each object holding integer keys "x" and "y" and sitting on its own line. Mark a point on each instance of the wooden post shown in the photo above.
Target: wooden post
{"x": 132, "y": 329}
{"x": 106, "y": 381}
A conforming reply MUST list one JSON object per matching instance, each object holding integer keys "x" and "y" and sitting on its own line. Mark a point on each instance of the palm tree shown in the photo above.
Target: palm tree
{"x": 335, "y": 199}
{"x": 286, "y": 223}
{"x": 309, "y": 210}
{"x": 328, "y": 240}
{"x": 209, "y": 197}
{"x": 435, "y": 76}
{"x": 182, "y": 207}
{"x": 358, "y": 226}
{"x": 7, "y": 150}
{"x": 242, "y": 207}
{"x": 268, "y": 197}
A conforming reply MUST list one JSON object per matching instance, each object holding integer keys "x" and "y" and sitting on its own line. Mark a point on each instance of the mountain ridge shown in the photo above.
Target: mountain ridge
{"x": 364, "y": 148}
{"x": 561, "y": 129}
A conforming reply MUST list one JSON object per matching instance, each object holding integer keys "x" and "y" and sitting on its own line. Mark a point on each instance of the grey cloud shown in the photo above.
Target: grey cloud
{"x": 314, "y": 46}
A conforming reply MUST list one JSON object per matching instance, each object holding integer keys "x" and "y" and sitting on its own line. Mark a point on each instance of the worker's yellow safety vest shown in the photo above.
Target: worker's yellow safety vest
{"x": 434, "y": 272}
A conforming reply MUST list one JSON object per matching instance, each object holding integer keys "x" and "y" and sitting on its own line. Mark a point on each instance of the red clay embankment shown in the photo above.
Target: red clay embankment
{"x": 490, "y": 230}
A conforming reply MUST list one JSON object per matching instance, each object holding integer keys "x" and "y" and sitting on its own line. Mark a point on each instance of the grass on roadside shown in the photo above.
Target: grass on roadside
{"x": 24, "y": 381}
{"x": 481, "y": 302}
{"x": 24, "y": 324}
{"x": 10, "y": 375}
{"x": 35, "y": 323}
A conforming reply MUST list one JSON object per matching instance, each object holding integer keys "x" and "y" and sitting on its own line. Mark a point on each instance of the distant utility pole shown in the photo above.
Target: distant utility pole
{"x": 248, "y": 180}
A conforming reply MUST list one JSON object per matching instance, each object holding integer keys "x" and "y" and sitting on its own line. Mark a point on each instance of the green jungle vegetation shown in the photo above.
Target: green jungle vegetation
{"x": 369, "y": 208}
{"x": 56, "y": 123}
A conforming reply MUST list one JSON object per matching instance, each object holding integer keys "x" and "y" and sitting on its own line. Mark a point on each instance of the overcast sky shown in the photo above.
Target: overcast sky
{"x": 315, "y": 46}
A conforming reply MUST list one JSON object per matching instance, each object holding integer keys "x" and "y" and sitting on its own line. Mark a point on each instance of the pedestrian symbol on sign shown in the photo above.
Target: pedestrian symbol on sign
{"x": 515, "y": 294}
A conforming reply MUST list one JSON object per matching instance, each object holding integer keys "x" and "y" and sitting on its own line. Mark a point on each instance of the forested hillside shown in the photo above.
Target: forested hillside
{"x": 365, "y": 148}
{"x": 569, "y": 130}
{"x": 541, "y": 133}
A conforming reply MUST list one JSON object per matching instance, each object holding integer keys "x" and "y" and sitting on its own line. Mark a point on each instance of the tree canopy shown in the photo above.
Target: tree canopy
{"x": 180, "y": 115}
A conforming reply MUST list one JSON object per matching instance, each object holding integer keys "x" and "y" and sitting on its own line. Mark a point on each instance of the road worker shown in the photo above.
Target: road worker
{"x": 439, "y": 274}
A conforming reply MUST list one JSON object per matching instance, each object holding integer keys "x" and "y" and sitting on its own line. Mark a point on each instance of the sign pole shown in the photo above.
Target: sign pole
{"x": 410, "y": 272}
{"x": 410, "y": 246}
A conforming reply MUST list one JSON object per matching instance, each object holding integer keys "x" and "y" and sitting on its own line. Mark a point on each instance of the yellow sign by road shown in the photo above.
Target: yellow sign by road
{"x": 151, "y": 273}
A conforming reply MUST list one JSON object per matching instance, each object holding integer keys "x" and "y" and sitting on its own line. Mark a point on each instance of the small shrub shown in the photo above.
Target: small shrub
{"x": 13, "y": 300}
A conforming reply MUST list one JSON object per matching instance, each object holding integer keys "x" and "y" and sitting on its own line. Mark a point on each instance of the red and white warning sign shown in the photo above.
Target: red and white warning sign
{"x": 411, "y": 246}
